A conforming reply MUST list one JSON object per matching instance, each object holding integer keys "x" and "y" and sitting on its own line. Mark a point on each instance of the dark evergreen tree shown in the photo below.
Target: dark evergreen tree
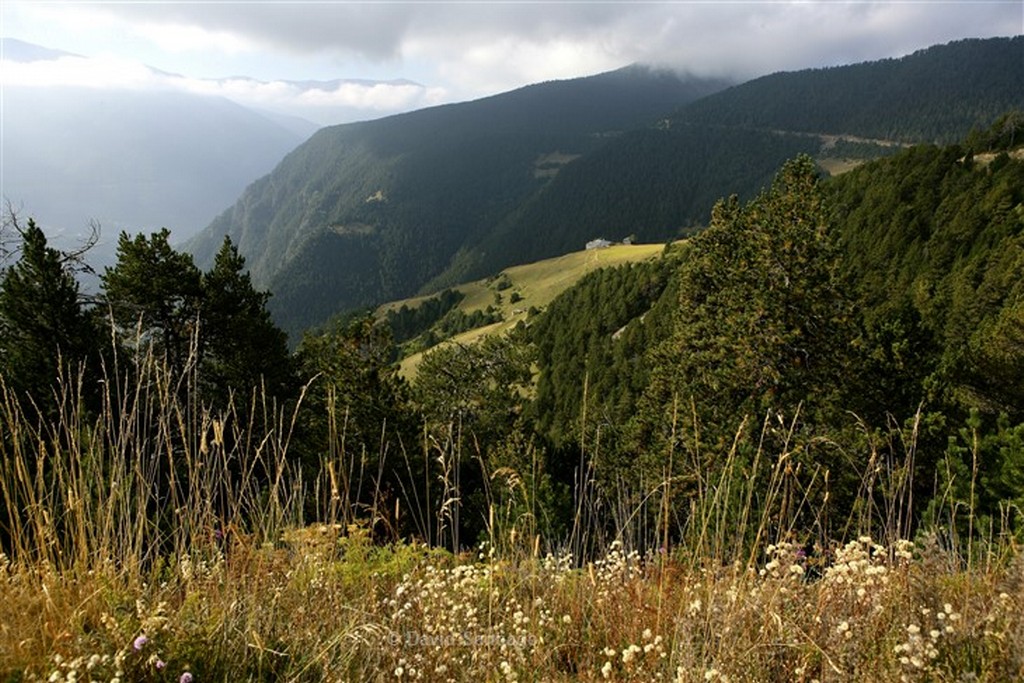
{"x": 45, "y": 333}
{"x": 154, "y": 295}
{"x": 356, "y": 423}
{"x": 762, "y": 320}
{"x": 242, "y": 349}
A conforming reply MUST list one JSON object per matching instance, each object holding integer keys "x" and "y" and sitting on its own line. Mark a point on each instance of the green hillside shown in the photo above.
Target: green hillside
{"x": 369, "y": 212}
{"x": 934, "y": 95}
{"x": 513, "y": 295}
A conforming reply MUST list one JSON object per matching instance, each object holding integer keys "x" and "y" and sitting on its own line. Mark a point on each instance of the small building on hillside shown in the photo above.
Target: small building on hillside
{"x": 599, "y": 243}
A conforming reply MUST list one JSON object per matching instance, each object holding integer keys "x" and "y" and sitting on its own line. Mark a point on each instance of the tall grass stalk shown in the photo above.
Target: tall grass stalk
{"x": 156, "y": 517}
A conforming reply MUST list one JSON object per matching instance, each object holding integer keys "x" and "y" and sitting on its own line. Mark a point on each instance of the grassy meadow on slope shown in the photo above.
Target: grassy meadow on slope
{"x": 516, "y": 290}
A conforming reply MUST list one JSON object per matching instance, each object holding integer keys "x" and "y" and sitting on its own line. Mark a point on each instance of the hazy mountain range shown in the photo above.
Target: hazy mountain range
{"x": 138, "y": 159}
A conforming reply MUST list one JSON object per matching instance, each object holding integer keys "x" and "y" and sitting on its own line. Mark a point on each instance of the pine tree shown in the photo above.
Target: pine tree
{"x": 154, "y": 295}
{"x": 44, "y": 331}
{"x": 242, "y": 349}
{"x": 762, "y": 324}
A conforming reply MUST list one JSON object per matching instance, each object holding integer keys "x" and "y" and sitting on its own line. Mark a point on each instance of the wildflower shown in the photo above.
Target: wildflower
{"x": 566, "y": 619}
{"x": 606, "y": 670}
{"x": 185, "y": 678}
{"x": 140, "y": 643}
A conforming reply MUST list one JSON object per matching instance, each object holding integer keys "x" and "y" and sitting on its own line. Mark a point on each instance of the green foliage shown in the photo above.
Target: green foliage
{"x": 762, "y": 323}
{"x": 592, "y": 339}
{"x": 357, "y": 405}
{"x": 479, "y": 387}
{"x": 407, "y": 323}
{"x": 472, "y": 398}
{"x": 214, "y": 322}
{"x": 45, "y": 334}
{"x": 1006, "y": 133}
{"x": 935, "y": 235}
{"x": 934, "y": 95}
{"x": 154, "y": 296}
{"x": 242, "y": 348}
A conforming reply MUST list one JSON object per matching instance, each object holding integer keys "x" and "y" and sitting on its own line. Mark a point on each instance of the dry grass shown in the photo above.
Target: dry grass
{"x": 345, "y": 610}
{"x": 110, "y": 578}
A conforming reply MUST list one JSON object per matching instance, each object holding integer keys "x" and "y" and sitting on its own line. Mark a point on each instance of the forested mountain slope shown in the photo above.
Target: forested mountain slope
{"x": 368, "y": 212}
{"x": 934, "y": 95}
{"x": 378, "y": 211}
{"x": 924, "y": 253}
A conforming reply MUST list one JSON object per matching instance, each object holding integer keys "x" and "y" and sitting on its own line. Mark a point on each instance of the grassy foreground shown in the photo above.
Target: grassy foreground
{"x": 330, "y": 606}
{"x": 138, "y": 550}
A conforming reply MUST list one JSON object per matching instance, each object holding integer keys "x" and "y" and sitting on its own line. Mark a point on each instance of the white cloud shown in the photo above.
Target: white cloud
{"x": 176, "y": 38}
{"x": 324, "y": 103}
{"x": 100, "y": 72}
{"x": 466, "y": 50}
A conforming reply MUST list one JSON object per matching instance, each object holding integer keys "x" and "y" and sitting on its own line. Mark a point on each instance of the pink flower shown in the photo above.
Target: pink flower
{"x": 140, "y": 642}
{"x": 185, "y": 678}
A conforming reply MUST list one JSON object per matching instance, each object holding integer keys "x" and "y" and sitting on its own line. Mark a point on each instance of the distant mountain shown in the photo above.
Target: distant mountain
{"x": 370, "y": 212}
{"x": 654, "y": 181}
{"x": 19, "y": 51}
{"x": 130, "y": 160}
{"x": 373, "y": 211}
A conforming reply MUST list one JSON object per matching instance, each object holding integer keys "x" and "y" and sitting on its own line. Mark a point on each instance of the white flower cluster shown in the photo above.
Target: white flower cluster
{"x": 459, "y": 622}
{"x": 921, "y": 647}
{"x": 861, "y": 565}
{"x": 636, "y": 660}
{"x": 615, "y": 569}
{"x": 785, "y": 562}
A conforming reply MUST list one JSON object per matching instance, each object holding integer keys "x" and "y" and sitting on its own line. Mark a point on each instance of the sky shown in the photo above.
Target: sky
{"x": 458, "y": 50}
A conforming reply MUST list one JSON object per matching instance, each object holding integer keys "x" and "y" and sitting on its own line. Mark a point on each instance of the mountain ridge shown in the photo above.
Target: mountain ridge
{"x": 414, "y": 203}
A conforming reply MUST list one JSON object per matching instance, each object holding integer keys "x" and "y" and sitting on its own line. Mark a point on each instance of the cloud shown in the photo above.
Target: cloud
{"x": 523, "y": 42}
{"x": 470, "y": 49}
{"x": 101, "y": 72}
{"x": 322, "y": 102}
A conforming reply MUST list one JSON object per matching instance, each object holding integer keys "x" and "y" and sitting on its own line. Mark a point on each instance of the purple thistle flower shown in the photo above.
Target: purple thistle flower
{"x": 185, "y": 678}
{"x": 160, "y": 664}
{"x": 140, "y": 642}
